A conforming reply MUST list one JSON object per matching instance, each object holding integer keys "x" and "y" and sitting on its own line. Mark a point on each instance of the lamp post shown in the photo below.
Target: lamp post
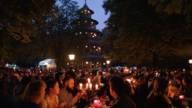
{"x": 71, "y": 58}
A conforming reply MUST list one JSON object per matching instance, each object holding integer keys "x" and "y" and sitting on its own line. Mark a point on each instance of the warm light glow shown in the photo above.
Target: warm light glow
{"x": 96, "y": 86}
{"x": 97, "y": 103}
{"x": 87, "y": 85}
{"x": 99, "y": 48}
{"x": 71, "y": 57}
{"x": 80, "y": 86}
{"x": 190, "y": 61}
{"x": 89, "y": 80}
{"x": 90, "y": 86}
{"x": 86, "y": 62}
{"x": 67, "y": 63}
{"x": 108, "y": 61}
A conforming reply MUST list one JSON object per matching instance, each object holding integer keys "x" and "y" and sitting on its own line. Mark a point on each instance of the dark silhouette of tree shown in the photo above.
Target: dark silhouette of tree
{"x": 137, "y": 32}
{"x": 49, "y": 29}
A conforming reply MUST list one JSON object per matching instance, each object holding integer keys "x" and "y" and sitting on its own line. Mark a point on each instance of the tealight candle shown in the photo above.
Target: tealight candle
{"x": 96, "y": 103}
{"x": 89, "y": 80}
{"x": 87, "y": 85}
{"x": 96, "y": 86}
{"x": 80, "y": 86}
{"x": 90, "y": 86}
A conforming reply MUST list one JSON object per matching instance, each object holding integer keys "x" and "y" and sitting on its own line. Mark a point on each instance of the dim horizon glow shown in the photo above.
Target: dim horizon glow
{"x": 99, "y": 12}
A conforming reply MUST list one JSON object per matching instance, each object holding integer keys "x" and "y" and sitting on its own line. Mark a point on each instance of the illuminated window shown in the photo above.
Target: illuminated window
{"x": 99, "y": 48}
{"x": 95, "y": 34}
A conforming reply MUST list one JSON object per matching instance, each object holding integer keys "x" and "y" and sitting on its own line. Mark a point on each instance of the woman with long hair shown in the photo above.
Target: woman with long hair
{"x": 33, "y": 95}
{"x": 120, "y": 93}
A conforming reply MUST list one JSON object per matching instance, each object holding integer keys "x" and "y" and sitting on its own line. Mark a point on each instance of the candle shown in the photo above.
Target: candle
{"x": 80, "y": 86}
{"x": 96, "y": 86}
{"x": 90, "y": 86}
{"x": 96, "y": 103}
{"x": 87, "y": 85}
{"x": 89, "y": 80}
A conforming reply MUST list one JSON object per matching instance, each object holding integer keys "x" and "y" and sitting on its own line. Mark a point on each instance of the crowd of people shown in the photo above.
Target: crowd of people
{"x": 118, "y": 88}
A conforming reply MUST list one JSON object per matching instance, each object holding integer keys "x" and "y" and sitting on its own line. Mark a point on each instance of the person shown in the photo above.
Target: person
{"x": 59, "y": 76}
{"x": 52, "y": 92}
{"x": 67, "y": 97}
{"x": 158, "y": 98}
{"x": 33, "y": 95}
{"x": 119, "y": 92}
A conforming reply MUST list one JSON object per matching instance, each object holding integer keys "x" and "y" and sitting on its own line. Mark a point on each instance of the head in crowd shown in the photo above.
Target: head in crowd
{"x": 69, "y": 83}
{"x": 173, "y": 89}
{"x": 35, "y": 91}
{"x": 52, "y": 87}
{"x": 160, "y": 85}
{"x": 59, "y": 76}
{"x": 117, "y": 87}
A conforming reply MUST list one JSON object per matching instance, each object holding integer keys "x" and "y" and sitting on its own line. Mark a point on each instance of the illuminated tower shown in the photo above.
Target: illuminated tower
{"x": 89, "y": 49}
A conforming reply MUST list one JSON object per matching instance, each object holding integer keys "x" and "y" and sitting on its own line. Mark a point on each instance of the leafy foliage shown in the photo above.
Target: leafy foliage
{"x": 35, "y": 29}
{"x": 19, "y": 16}
{"x": 139, "y": 34}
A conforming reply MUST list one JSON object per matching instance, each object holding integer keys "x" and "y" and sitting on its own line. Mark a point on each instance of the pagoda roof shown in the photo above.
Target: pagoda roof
{"x": 85, "y": 7}
{"x": 86, "y": 19}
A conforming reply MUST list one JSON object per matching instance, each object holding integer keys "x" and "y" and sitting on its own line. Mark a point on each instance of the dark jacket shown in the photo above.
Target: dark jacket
{"x": 24, "y": 104}
{"x": 157, "y": 102}
{"x": 124, "y": 102}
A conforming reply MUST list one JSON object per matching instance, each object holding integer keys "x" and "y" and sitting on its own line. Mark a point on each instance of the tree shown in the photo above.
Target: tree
{"x": 139, "y": 33}
{"x": 19, "y": 16}
{"x": 28, "y": 36}
{"x": 182, "y": 7}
